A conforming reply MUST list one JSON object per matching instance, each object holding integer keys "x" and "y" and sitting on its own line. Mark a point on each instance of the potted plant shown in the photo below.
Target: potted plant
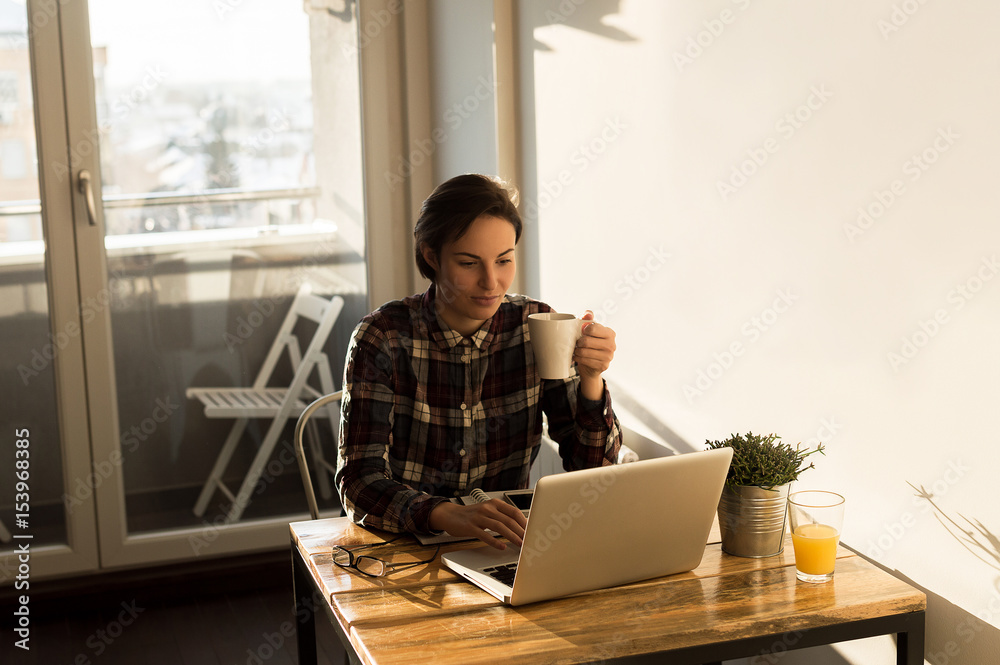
{"x": 753, "y": 505}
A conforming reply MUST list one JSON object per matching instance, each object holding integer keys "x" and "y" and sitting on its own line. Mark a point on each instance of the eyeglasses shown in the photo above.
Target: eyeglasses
{"x": 373, "y": 566}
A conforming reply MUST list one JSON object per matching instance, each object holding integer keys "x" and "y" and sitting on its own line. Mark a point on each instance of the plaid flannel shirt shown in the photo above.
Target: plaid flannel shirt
{"x": 428, "y": 414}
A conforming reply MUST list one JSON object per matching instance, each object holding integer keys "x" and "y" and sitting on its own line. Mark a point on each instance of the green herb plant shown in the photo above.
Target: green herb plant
{"x": 763, "y": 460}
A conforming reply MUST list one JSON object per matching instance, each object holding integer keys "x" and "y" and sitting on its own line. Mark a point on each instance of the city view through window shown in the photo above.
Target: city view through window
{"x": 200, "y": 101}
{"x": 229, "y": 138}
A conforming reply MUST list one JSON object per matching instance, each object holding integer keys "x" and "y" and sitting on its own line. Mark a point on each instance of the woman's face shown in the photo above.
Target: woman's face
{"x": 473, "y": 273}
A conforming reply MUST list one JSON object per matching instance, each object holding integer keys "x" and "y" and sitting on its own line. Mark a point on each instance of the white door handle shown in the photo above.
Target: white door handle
{"x": 84, "y": 184}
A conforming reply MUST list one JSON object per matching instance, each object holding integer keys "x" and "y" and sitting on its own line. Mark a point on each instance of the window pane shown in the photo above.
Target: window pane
{"x": 30, "y": 346}
{"x": 200, "y": 98}
{"x": 216, "y": 211}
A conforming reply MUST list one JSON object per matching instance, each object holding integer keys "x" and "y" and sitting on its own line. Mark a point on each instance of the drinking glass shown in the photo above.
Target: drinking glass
{"x": 816, "y": 518}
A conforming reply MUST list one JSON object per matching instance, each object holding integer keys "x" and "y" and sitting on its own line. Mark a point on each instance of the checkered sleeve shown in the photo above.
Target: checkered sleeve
{"x": 587, "y": 431}
{"x": 367, "y": 489}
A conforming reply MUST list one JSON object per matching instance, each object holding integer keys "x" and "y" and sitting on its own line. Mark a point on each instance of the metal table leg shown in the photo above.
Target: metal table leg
{"x": 305, "y": 612}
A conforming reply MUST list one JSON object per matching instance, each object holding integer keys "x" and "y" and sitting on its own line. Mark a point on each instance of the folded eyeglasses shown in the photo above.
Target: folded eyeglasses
{"x": 370, "y": 565}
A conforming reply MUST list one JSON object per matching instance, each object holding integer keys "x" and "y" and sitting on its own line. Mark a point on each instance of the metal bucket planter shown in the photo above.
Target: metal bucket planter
{"x": 752, "y": 520}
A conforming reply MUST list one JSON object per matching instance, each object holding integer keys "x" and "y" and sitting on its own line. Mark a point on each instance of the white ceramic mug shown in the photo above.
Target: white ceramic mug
{"x": 553, "y": 338}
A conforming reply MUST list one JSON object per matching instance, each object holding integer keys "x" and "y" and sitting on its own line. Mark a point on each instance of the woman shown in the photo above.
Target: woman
{"x": 441, "y": 394}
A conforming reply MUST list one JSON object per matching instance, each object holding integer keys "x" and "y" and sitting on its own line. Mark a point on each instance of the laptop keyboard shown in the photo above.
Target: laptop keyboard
{"x": 504, "y": 574}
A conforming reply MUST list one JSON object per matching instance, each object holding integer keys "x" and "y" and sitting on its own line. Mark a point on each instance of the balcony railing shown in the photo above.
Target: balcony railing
{"x": 233, "y": 195}
{"x": 32, "y": 251}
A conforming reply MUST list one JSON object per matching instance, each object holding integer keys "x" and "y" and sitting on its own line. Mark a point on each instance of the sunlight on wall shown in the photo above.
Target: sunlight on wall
{"x": 787, "y": 212}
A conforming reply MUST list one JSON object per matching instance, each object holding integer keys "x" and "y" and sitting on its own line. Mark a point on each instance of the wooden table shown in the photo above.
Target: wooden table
{"x": 729, "y": 607}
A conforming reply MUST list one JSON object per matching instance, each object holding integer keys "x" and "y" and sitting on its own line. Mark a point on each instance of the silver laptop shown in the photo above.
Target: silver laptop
{"x": 598, "y": 528}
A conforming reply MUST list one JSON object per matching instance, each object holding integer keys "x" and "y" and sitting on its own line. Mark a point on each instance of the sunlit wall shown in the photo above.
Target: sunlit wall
{"x": 788, "y": 213}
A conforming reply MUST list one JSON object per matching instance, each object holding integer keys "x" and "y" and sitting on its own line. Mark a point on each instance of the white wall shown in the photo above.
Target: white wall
{"x": 768, "y": 306}
{"x": 463, "y": 82}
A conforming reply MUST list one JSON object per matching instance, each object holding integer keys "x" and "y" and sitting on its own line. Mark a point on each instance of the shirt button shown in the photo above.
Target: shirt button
{"x": 463, "y": 406}
{"x": 466, "y": 357}
{"x": 457, "y": 493}
{"x": 462, "y": 452}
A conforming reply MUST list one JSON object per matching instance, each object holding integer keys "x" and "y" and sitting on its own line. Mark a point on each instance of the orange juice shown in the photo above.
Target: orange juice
{"x": 815, "y": 548}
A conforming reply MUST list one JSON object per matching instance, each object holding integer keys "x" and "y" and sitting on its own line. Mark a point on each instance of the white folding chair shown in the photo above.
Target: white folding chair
{"x": 277, "y": 403}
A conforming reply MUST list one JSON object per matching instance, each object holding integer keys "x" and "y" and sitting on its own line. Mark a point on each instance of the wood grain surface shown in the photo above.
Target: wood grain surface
{"x": 428, "y": 614}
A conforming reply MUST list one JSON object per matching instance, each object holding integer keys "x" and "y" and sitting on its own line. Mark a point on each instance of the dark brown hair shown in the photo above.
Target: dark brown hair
{"x": 448, "y": 212}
